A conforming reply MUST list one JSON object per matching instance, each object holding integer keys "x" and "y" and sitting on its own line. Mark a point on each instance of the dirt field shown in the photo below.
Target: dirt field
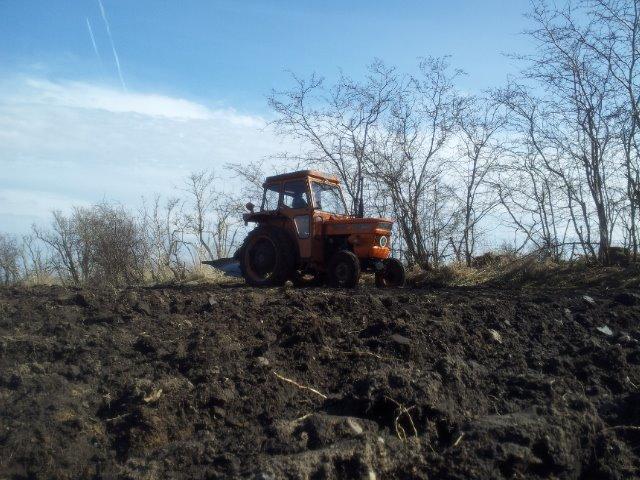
{"x": 231, "y": 382}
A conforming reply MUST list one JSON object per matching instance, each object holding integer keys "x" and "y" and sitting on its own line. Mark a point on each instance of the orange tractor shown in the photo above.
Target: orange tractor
{"x": 305, "y": 235}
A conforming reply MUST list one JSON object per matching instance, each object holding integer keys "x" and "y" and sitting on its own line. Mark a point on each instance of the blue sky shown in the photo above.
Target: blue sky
{"x": 197, "y": 74}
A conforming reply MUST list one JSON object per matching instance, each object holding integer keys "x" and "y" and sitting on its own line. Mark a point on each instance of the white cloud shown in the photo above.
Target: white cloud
{"x": 95, "y": 97}
{"x": 65, "y": 143}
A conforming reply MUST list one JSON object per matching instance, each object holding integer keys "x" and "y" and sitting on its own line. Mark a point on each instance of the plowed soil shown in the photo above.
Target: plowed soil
{"x": 231, "y": 382}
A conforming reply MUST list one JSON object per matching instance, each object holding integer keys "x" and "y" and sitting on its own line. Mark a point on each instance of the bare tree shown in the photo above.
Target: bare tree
{"x": 9, "y": 259}
{"x": 534, "y": 187}
{"x": 337, "y": 124}
{"x": 35, "y": 261}
{"x": 114, "y": 243}
{"x": 68, "y": 258}
{"x": 614, "y": 38}
{"x": 228, "y": 214}
{"x": 481, "y": 121}
{"x": 202, "y": 196}
{"x": 580, "y": 114}
{"x": 406, "y": 155}
{"x": 442, "y": 220}
{"x": 101, "y": 244}
{"x": 213, "y": 216}
{"x": 528, "y": 196}
{"x": 252, "y": 176}
{"x": 165, "y": 238}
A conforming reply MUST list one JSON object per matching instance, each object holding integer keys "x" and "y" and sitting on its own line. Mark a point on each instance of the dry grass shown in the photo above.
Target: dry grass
{"x": 207, "y": 274}
{"x": 491, "y": 269}
{"x": 198, "y": 274}
{"x": 201, "y": 275}
{"x": 526, "y": 271}
{"x": 42, "y": 279}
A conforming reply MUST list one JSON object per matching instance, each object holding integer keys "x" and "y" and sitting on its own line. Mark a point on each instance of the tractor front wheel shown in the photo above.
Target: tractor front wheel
{"x": 344, "y": 269}
{"x": 391, "y": 275}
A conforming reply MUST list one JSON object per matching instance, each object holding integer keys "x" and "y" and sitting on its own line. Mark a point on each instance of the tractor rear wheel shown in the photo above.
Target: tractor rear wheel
{"x": 267, "y": 257}
{"x": 344, "y": 269}
{"x": 391, "y": 275}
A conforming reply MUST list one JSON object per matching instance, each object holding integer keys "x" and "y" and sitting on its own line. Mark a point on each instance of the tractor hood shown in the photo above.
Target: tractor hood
{"x": 344, "y": 225}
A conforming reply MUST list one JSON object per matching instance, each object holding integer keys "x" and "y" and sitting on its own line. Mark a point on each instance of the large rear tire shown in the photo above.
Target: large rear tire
{"x": 344, "y": 269}
{"x": 391, "y": 275}
{"x": 267, "y": 257}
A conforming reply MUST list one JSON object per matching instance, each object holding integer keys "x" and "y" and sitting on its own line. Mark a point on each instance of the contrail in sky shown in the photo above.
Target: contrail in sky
{"x": 93, "y": 41}
{"x": 113, "y": 47}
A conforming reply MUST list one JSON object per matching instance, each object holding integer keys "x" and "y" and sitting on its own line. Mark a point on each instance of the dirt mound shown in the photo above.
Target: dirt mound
{"x": 231, "y": 382}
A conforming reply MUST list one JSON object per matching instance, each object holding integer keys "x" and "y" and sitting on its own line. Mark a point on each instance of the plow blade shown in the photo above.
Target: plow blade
{"x": 228, "y": 266}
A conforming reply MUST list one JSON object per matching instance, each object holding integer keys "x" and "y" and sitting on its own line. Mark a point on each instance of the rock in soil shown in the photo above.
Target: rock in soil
{"x": 178, "y": 382}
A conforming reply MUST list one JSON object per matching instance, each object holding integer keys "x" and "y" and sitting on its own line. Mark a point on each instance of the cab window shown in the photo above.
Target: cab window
{"x": 328, "y": 198}
{"x": 294, "y": 194}
{"x": 270, "y": 198}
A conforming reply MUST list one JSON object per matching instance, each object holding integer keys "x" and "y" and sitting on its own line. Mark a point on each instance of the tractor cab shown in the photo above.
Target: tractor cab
{"x": 304, "y": 230}
{"x": 306, "y": 189}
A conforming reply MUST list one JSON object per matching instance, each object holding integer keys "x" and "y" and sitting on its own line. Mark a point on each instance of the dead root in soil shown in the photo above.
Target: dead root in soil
{"x": 403, "y": 411}
{"x": 302, "y": 387}
{"x": 358, "y": 353}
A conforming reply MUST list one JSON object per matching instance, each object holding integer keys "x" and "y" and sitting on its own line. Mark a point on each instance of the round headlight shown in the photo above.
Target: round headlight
{"x": 383, "y": 241}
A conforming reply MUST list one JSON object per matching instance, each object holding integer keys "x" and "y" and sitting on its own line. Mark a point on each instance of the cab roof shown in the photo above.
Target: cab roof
{"x": 301, "y": 174}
